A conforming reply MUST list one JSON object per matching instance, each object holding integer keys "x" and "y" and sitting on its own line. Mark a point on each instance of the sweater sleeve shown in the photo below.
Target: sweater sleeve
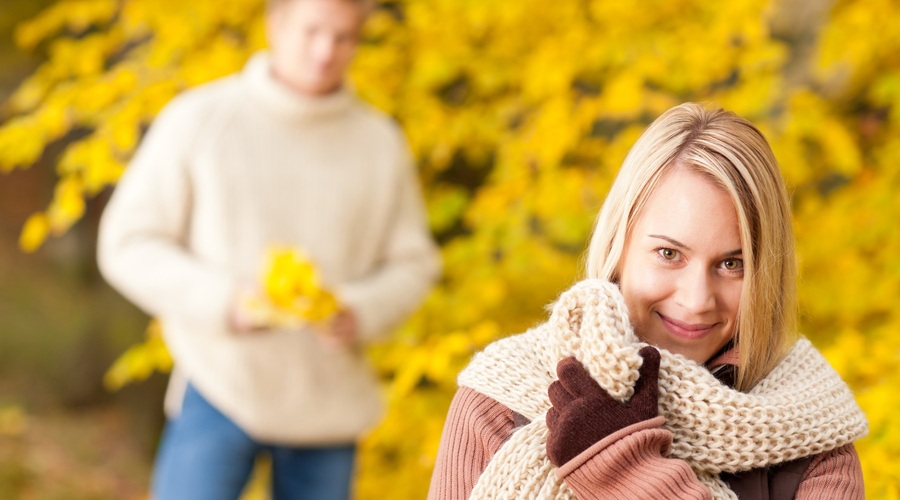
{"x": 476, "y": 427}
{"x": 142, "y": 241}
{"x": 834, "y": 474}
{"x": 410, "y": 261}
{"x": 631, "y": 463}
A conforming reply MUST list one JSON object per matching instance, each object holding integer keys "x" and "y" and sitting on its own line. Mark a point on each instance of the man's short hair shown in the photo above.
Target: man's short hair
{"x": 367, "y": 5}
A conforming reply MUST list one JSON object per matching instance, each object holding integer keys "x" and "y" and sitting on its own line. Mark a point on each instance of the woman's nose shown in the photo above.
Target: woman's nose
{"x": 696, "y": 292}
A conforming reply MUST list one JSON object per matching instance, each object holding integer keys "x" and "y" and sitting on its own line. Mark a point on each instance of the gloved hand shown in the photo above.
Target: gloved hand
{"x": 584, "y": 413}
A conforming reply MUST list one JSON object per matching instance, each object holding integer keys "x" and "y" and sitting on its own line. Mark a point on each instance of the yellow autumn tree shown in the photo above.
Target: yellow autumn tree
{"x": 519, "y": 114}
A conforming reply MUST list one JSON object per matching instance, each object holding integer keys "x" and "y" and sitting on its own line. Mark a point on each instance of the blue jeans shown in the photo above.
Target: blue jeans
{"x": 204, "y": 455}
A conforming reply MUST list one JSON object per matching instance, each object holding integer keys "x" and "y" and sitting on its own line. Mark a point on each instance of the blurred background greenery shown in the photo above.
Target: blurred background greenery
{"x": 519, "y": 114}
{"x": 62, "y": 435}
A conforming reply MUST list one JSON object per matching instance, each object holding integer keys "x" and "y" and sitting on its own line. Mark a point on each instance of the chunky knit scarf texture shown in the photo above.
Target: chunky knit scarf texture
{"x": 801, "y": 408}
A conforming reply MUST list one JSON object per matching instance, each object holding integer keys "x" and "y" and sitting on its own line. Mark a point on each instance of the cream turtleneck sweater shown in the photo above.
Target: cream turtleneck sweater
{"x": 238, "y": 165}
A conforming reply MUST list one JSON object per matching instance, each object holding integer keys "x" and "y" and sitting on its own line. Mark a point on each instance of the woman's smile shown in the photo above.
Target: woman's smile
{"x": 684, "y": 330}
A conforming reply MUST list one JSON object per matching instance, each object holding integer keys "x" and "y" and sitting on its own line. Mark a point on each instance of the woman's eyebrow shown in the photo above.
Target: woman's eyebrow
{"x": 673, "y": 241}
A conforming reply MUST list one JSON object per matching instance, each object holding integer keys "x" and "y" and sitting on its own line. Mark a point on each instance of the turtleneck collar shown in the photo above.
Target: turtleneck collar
{"x": 281, "y": 100}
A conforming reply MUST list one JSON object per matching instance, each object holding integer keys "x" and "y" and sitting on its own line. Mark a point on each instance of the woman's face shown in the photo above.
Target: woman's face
{"x": 682, "y": 269}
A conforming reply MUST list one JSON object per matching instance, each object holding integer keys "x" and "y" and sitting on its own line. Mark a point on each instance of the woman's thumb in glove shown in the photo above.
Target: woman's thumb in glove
{"x": 646, "y": 390}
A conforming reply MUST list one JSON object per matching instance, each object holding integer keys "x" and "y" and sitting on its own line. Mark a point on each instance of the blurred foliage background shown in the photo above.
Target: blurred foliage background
{"x": 519, "y": 114}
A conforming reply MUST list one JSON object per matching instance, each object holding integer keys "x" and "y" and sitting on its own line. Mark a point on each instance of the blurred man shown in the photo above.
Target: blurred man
{"x": 283, "y": 154}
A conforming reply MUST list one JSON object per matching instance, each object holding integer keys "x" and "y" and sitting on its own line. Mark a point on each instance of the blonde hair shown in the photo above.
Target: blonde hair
{"x": 735, "y": 155}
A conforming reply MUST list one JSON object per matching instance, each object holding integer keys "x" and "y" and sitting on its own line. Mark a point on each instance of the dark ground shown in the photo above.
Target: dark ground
{"x": 62, "y": 435}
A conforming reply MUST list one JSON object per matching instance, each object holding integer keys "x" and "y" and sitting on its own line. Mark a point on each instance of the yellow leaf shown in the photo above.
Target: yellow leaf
{"x": 21, "y": 143}
{"x": 67, "y": 206}
{"x": 53, "y": 119}
{"x": 140, "y": 360}
{"x": 34, "y": 233}
{"x": 292, "y": 284}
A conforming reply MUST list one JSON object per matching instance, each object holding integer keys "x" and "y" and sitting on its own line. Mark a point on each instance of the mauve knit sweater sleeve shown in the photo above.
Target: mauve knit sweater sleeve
{"x": 631, "y": 463}
{"x": 835, "y": 474}
{"x": 475, "y": 428}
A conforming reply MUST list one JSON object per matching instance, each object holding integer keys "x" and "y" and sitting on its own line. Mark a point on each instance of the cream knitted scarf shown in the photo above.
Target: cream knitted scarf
{"x": 801, "y": 408}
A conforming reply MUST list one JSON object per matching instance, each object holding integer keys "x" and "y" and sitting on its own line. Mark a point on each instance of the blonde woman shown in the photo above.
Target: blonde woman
{"x": 674, "y": 370}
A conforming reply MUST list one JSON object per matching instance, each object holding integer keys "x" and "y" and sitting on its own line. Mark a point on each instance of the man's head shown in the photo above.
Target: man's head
{"x": 312, "y": 42}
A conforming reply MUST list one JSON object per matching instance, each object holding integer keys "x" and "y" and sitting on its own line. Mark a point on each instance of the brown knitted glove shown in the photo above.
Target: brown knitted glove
{"x": 584, "y": 413}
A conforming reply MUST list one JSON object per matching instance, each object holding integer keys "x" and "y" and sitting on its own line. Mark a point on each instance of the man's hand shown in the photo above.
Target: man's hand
{"x": 247, "y": 314}
{"x": 340, "y": 332}
{"x": 252, "y": 312}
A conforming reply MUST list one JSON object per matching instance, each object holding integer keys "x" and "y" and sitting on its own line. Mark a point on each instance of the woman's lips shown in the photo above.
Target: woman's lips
{"x": 689, "y": 331}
